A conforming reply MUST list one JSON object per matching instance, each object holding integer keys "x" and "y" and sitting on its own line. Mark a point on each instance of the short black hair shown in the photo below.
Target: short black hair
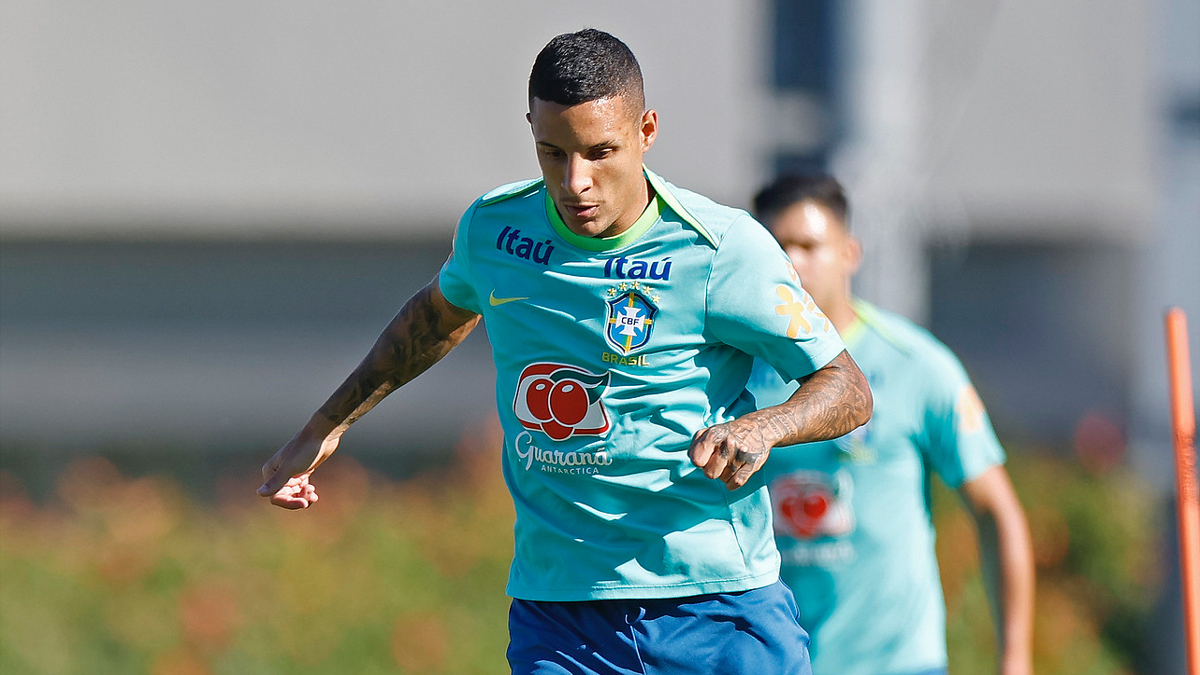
{"x": 587, "y": 65}
{"x": 790, "y": 189}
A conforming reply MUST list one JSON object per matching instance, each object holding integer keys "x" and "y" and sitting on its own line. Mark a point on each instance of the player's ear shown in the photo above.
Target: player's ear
{"x": 649, "y": 128}
{"x": 853, "y": 253}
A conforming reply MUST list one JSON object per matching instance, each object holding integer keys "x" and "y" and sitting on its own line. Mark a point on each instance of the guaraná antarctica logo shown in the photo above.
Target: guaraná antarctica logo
{"x": 631, "y": 316}
{"x": 561, "y": 401}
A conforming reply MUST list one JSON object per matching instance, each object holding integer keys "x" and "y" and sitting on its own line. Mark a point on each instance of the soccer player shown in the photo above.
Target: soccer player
{"x": 624, "y": 315}
{"x": 852, "y": 515}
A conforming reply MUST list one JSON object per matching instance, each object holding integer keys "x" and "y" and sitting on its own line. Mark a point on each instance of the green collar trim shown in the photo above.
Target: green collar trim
{"x": 510, "y": 191}
{"x": 854, "y": 333}
{"x": 630, "y": 235}
{"x": 869, "y": 317}
{"x": 660, "y": 186}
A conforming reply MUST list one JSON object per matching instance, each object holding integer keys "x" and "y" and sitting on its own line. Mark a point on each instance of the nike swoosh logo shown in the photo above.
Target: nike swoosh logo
{"x": 495, "y": 302}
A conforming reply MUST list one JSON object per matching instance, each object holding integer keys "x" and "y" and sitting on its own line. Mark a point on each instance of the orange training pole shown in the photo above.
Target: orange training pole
{"x": 1183, "y": 419}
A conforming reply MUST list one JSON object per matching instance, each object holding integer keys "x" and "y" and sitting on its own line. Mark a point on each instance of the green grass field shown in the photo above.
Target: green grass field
{"x": 116, "y": 574}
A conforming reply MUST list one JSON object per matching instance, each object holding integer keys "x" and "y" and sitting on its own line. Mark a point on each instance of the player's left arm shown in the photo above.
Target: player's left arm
{"x": 831, "y": 402}
{"x": 1006, "y": 554}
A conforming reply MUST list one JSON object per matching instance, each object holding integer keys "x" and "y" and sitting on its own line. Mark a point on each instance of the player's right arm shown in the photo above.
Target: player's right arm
{"x": 961, "y": 446}
{"x": 755, "y": 303}
{"x": 831, "y": 402}
{"x": 1006, "y": 556}
{"x": 425, "y": 330}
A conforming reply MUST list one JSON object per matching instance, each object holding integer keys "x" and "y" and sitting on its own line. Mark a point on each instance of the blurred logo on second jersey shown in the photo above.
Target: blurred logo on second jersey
{"x": 812, "y": 504}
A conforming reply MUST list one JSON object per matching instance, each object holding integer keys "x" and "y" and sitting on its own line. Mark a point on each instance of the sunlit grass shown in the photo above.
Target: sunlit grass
{"x": 119, "y": 575}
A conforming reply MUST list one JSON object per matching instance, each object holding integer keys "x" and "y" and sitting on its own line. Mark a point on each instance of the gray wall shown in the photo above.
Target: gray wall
{"x": 167, "y": 348}
{"x": 271, "y": 130}
{"x": 376, "y": 119}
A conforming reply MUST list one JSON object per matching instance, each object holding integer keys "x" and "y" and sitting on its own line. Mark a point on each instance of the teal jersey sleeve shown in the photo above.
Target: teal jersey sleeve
{"x": 454, "y": 280}
{"x": 960, "y": 443}
{"x": 755, "y": 304}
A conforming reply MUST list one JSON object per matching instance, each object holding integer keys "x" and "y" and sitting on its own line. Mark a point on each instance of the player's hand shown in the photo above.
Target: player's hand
{"x": 731, "y": 452}
{"x": 286, "y": 474}
{"x": 296, "y": 493}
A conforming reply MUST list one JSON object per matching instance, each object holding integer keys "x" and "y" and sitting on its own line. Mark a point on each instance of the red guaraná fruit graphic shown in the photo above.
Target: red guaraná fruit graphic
{"x": 568, "y": 402}
{"x": 537, "y": 397}
{"x": 561, "y": 400}
{"x": 805, "y": 510}
{"x": 816, "y": 504}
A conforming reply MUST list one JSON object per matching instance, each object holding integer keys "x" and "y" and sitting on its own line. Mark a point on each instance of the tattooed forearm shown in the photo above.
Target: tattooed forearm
{"x": 424, "y": 331}
{"x": 829, "y": 403}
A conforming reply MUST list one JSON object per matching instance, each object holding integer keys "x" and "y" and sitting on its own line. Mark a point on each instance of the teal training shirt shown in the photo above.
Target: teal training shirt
{"x": 852, "y": 515}
{"x": 610, "y": 354}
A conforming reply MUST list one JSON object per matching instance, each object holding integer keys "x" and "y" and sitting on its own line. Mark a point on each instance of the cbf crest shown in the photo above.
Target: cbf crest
{"x": 631, "y": 315}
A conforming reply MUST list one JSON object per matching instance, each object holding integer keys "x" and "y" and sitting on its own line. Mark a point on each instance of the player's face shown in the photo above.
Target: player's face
{"x": 591, "y": 158}
{"x": 824, "y": 254}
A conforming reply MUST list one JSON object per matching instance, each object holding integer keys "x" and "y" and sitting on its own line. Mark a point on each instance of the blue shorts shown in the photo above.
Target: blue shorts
{"x": 747, "y": 632}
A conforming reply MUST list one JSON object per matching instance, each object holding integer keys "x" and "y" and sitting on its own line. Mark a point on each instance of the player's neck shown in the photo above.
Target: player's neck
{"x": 842, "y": 314}
{"x": 639, "y": 206}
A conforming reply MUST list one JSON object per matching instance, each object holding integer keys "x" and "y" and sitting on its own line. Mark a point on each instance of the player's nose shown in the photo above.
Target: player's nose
{"x": 577, "y": 177}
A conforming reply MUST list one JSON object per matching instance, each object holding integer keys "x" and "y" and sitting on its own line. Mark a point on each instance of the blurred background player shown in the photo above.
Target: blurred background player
{"x": 624, "y": 314}
{"x": 852, "y": 515}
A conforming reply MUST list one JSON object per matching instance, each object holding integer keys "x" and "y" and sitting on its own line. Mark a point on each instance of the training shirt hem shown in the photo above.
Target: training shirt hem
{"x": 648, "y": 592}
